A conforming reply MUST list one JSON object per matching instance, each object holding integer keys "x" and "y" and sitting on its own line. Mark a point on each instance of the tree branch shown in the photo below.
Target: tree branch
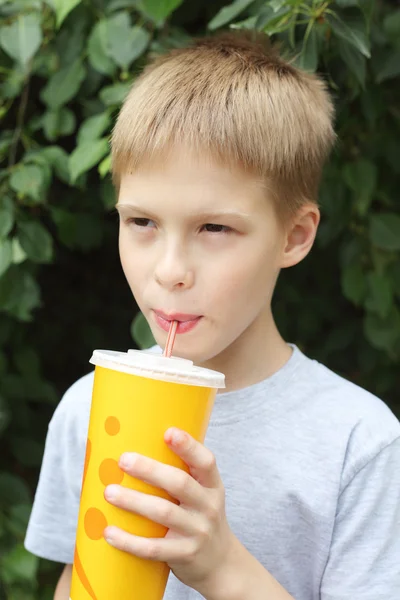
{"x": 20, "y": 123}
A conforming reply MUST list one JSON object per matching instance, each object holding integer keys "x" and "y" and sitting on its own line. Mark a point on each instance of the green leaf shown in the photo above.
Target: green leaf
{"x": 13, "y": 490}
{"x": 114, "y": 94}
{"x": 249, "y": 23}
{"x": 113, "y": 5}
{"x": 63, "y": 8}
{"x": 367, "y": 7}
{"x": 159, "y": 10}
{"x": 380, "y": 294}
{"x": 390, "y": 68}
{"x": 36, "y": 241}
{"x": 57, "y": 123}
{"x": 354, "y": 285}
{"x": 58, "y": 159}
{"x": 13, "y": 84}
{"x": 391, "y": 25}
{"x": 18, "y": 254}
{"x": 93, "y": 127}
{"x": 276, "y": 5}
{"x": 308, "y": 59}
{"x": 107, "y": 194}
{"x": 125, "y": 43}
{"x": 97, "y": 49}
{"x": 6, "y": 216}
{"x": 67, "y": 225}
{"x": 37, "y": 158}
{"x": 354, "y": 60}
{"x": 69, "y": 43}
{"x": 27, "y": 361}
{"x": 5, "y": 143}
{"x": 228, "y": 13}
{"x": 28, "y": 452}
{"x": 264, "y": 17}
{"x": 19, "y": 593}
{"x": 86, "y": 156}
{"x": 361, "y": 176}
{"x": 12, "y": 7}
{"x": 353, "y": 32}
{"x": 77, "y": 230}
{"x": 19, "y": 565}
{"x": 18, "y": 518}
{"x": 139, "y": 40}
{"x": 63, "y": 85}
{"x": 141, "y": 332}
{"x": 19, "y": 296}
{"x": 5, "y": 255}
{"x": 22, "y": 38}
{"x": 28, "y": 180}
{"x": 384, "y": 231}
{"x": 105, "y": 166}
{"x": 272, "y": 22}
{"x": 383, "y": 333}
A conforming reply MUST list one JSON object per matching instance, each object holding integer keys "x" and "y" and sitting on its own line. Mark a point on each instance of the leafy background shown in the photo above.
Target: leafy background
{"x": 65, "y": 67}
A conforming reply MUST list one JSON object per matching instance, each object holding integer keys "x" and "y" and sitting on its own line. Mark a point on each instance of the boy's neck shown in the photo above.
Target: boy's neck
{"x": 256, "y": 355}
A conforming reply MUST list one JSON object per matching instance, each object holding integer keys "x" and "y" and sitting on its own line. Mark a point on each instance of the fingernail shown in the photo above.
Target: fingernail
{"x": 177, "y": 436}
{"x": 126, "y": 460}
{"x": 108, "y": 536}
{"x": 111, "y": 492}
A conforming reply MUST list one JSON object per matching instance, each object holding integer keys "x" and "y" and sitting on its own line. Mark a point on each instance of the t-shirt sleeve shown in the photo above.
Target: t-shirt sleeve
{"x": 52, "y": 526}
{"x": 364, "y": 559}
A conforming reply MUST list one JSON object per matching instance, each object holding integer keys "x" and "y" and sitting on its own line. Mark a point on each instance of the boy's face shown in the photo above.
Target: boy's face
{"x": 198, "y": 239}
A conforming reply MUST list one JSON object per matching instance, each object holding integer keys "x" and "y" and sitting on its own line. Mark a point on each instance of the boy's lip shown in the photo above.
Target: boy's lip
{"x": 181, "y": 317}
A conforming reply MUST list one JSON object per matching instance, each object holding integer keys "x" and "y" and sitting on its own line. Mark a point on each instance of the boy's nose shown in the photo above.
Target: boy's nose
{"x": 172, "y": 272}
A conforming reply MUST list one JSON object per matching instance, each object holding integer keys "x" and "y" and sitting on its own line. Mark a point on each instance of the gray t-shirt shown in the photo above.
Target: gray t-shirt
{"x": 311, "y": 468}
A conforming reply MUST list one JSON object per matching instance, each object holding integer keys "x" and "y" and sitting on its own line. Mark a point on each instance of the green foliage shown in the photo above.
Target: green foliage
{"x": 141, "y": 332}
{"x": 22, "y": 38}
{"x": 65, "y": 67}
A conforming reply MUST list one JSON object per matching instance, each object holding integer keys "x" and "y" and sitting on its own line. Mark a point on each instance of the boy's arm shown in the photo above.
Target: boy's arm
{"x": 52, "y": 524}
{"x": 64, "y": 584}
{"x": 53, "y": 521}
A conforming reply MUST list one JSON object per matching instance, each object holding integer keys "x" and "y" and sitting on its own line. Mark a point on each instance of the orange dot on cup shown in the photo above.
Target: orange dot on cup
{"x": 112, "y": 425}
{"x": 109, "y": 472}
{"x": 95, "y": 523}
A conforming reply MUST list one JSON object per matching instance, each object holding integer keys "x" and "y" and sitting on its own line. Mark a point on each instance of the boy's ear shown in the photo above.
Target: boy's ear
{"x": 300, "y": 235}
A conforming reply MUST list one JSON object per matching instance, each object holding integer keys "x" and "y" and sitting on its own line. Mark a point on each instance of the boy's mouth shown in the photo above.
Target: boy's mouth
{"x": 186, "y": 322}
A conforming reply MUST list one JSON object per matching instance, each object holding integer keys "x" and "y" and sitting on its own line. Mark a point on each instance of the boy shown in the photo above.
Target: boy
{"x": 217, "y": 155}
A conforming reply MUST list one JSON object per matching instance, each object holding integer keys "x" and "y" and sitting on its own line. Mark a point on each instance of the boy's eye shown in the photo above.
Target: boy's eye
{"x": 214, "y": 228}
{"x": 143, "y": 223}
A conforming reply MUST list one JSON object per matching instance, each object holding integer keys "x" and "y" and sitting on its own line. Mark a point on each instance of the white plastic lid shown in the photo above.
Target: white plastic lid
{"x": 155, "y": 366}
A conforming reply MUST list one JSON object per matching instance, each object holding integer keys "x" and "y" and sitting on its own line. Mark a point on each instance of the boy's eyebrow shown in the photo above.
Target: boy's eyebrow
{"x": 206, "y": 215}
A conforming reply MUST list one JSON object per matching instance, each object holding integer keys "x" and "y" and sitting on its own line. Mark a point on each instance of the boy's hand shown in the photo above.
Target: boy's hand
{"x": 199, "y": 543}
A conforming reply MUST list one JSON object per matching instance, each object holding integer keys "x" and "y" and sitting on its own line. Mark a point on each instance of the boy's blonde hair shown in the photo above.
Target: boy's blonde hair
{"x": 233, "y": 98}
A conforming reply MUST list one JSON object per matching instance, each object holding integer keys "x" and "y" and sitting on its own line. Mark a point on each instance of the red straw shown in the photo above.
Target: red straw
{"x": 171, "y": 339}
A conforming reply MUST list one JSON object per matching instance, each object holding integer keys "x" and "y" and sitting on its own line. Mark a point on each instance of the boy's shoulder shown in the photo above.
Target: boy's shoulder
{"x": 343, "y": 416}
{"x": 71, "y": 416}
{"x": 347, "y": 401}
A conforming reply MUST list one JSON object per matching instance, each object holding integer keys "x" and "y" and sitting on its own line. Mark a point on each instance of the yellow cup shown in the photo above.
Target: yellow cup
{"x": 137, "y": 396}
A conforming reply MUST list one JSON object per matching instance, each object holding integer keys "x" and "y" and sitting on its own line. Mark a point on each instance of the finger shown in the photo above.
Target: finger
{"x": 176, "y": 482}
{"x": 156, "y": 509}
{"x": 199, "y": 459}
{"x": 158, "y": 549}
